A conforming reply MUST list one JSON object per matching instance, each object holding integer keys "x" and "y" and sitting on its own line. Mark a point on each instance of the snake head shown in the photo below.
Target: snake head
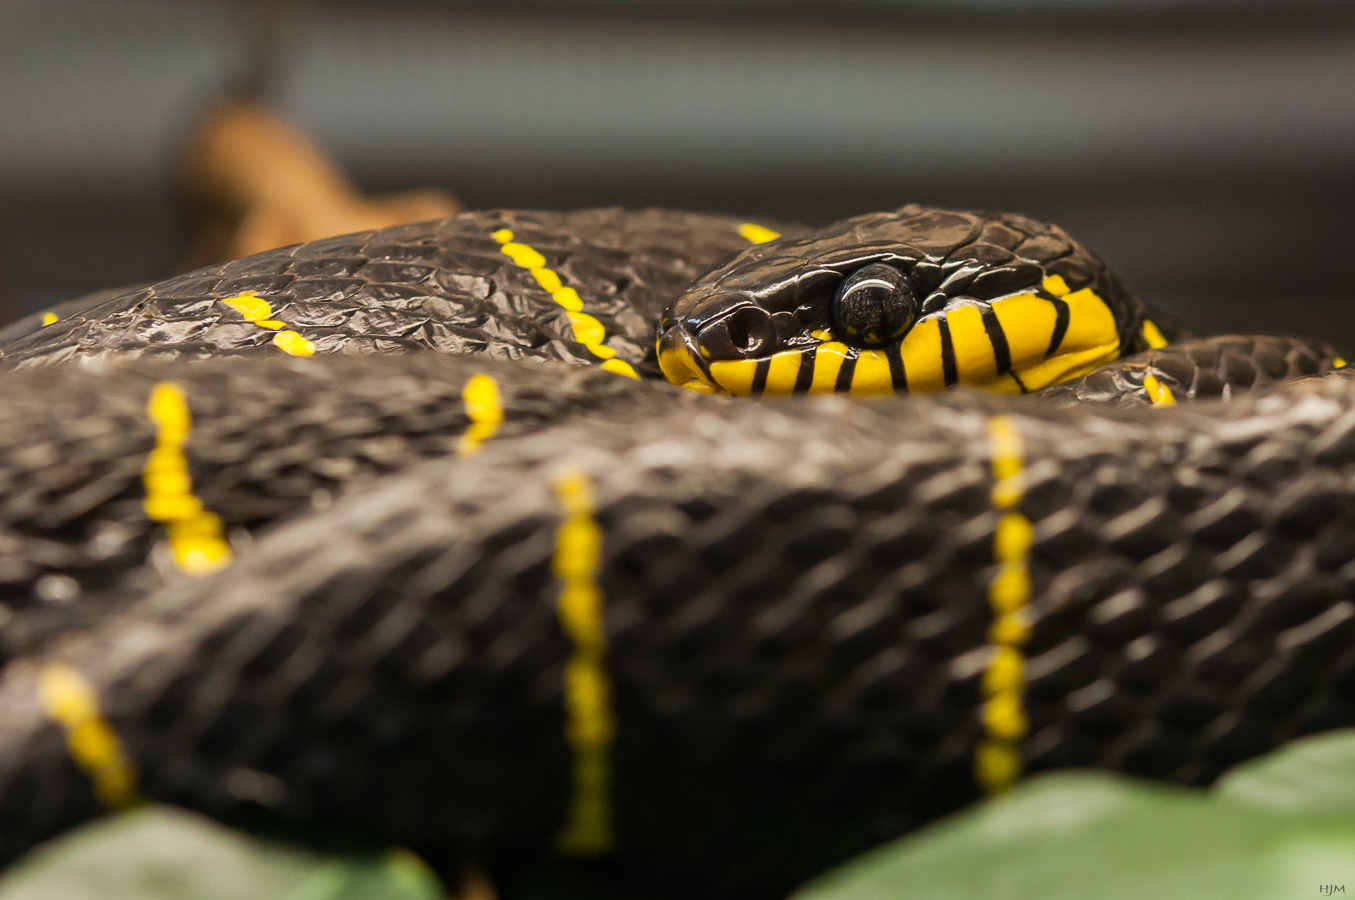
{"x": 912, "y": 300}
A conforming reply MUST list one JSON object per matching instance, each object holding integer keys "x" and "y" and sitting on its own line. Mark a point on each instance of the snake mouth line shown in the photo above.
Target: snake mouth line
{"x": 682, "y": 363}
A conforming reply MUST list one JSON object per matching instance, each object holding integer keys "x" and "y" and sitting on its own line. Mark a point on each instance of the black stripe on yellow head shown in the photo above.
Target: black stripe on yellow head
{"x": 915, "y": 300}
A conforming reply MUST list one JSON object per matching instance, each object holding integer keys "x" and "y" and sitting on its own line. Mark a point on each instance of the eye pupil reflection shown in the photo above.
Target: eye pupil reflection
{"x": 875, "y": 305}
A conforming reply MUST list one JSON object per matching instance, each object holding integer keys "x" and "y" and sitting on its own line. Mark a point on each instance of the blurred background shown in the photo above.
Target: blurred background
{"x": 1206, "y": 148}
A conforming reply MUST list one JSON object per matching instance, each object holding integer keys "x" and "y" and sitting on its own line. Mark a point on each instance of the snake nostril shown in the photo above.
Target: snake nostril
{"x": 749, "y": 330}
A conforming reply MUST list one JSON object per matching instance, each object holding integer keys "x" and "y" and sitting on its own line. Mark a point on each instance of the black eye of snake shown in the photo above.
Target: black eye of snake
{"x": 876, "y": 304}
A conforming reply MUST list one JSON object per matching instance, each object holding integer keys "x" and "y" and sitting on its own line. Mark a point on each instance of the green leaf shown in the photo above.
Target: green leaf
{"x": 160, "y": 853}
{"x": 1278, "y": 829}
{"x": 1313, "y": 777}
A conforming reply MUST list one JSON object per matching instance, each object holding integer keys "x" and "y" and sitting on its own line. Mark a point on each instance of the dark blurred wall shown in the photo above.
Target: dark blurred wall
{"x": 1207, "y": 152}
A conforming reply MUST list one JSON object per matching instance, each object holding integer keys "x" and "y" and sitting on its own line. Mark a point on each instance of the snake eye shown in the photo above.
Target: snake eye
{"x": 875, "y": 305}
{"x": 746, "y": 333}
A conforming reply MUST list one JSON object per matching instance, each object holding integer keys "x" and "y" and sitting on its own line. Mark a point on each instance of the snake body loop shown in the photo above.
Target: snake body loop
{"x": 507, "y": 599}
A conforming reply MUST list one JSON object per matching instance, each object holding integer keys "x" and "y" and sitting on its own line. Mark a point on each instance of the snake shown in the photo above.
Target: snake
{"x": 688, "y": 553}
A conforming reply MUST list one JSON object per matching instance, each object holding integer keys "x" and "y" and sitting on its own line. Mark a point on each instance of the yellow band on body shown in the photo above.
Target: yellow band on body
{"x": 257, "y": 311}
{"x": 590, "y": 724}
{"x": 196, "y": 536}
{"x": 997, "y": 759}
{"x": 587, "y": 329}
{"x": 484, "y": 408}
{"x": 68, "y": 699}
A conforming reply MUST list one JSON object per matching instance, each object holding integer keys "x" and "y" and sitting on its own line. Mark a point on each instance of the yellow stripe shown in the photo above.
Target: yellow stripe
{"x": 1152, "y": 335}
{"x": 587, "y": 330}
{"x": 1028, "y": 322}
{"x": 590, "y": 724}
{"x": 997, "y": 759}
{"x": 70, "y": 701}
{"x": 485, "y": 411}
{"x": 734, "y": 375}
{"x": 921, "y": 352}
{"x": 1158, "y": 393}
{"x": 1091, "y": 341}
{"x": 974, "y": 360}
{"x": 757, "y": 234}
{"x": 196, "y": 536}
{"x": 782, "y": 371}
{"x": 1338, "y": 363}
{"x": 827, "y": 364}
{"x": 48, "y": 318}
{"x": 872, "y": 375}
{"x": 255, "y": 309}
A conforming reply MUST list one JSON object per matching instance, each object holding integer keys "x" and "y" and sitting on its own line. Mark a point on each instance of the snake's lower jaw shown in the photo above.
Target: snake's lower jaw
{"x": 680, "y": 362}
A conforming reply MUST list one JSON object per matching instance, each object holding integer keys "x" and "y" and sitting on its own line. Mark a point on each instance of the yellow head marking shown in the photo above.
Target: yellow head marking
{"x": 872, "y": 374}
{"x": 48, "y": 318}
{"x": 921, "y": 352}
{"x": 782, "y": 372}
{"x": 734, "y": 375}
{"x": 827, "y": 364}
{"x": 974, "y": 360}
{"x": 1028, "y": 322}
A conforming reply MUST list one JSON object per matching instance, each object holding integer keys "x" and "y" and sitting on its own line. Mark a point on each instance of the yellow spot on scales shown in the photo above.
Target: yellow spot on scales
{"x": 997, "y": 759}
{"x": 70, "y": 701}
{"x": 196, "y": 539}
{"x": 757, "y": 234}
{"x": 587, "y": 329}
{"x": 1158, "y": 393}
{"x": 590, "y": 725}
{"x": 1338, "y": 363}
{"x": 485, "y": 411}
{"x": 48, "y": 318}
{"x": 257, "y": 310}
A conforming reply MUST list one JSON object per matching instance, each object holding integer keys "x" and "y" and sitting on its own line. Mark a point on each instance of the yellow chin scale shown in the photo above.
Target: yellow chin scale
{"x": 1017, "y": 344}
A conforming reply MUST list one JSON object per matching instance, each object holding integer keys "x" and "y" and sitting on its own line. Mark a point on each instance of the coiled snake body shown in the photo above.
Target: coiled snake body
{"x": 480, "y": 602}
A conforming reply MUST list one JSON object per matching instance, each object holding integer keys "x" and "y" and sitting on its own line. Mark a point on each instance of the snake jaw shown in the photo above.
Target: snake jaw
{"x": 682, "y": 363}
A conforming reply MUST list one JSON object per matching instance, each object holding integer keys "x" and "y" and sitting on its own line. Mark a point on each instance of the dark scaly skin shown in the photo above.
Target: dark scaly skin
{"x": 1201, "y": 369}
{"x": 272, "y": 437}
{"x": 795, "y": 593}
{"x": 796, "y": 631}
{"x": 442, "y": 286}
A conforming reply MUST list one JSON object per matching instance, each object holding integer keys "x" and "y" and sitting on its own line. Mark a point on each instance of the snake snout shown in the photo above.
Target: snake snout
{"x": 681, "y": 361}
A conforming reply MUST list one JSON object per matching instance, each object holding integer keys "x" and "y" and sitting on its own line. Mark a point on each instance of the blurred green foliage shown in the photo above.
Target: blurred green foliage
{"x": 1282, "y": 827}
{"x": 161, "y": 853}
{"x": 1279, "y": 827}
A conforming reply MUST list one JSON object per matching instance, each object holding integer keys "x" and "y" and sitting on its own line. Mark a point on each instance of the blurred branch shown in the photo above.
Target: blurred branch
{"x": 257, "y": 182}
